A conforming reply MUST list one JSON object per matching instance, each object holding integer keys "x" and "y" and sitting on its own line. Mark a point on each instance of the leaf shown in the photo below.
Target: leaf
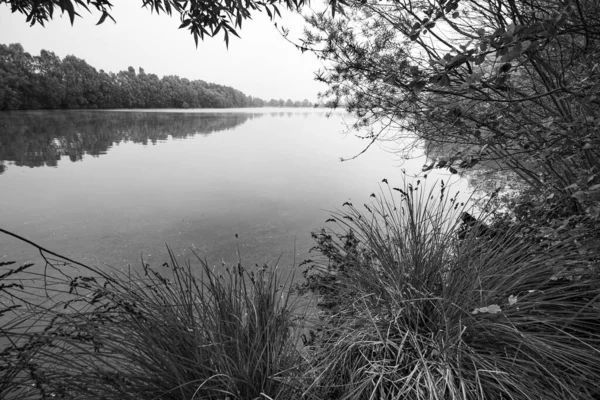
{"x": 67, "y": 6}
{"x": 455, "y": 14}
{"x": 443, "y": 80}
{"x": 82, "y": 4}
{"x": 517, "y": 49}
{"x": 506, "y": 67}
{"x": 418, "y": 86}
{"x": 276, "y": 11}
{"x": 493, "y": 309}
{"x": 480, "y": 59}
{"x": 512, "y": 300}
{"x": 474, "y": 77}
{"x": 216, "y": 31}
{"x": 580, "y": 196}
{"x": 102, "y": 18}
{"x": 547, "y": 122}
{"x": 391, "y": 78}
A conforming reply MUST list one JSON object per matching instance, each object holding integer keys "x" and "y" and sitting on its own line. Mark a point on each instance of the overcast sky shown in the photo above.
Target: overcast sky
{"x": 261, "y": 63}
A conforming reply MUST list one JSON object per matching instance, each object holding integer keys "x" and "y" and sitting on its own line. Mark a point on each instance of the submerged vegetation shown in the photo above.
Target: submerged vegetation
{"x": 407, "y": 299}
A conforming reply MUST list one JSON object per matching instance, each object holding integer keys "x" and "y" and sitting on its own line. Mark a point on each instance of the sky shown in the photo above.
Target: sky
{"x": 261, "y": 64}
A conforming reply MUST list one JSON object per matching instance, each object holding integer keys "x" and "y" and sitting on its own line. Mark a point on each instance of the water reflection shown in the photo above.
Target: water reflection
{"x": 37, "y": 139}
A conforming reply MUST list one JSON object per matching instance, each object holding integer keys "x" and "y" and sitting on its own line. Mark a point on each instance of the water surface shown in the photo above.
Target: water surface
{"x": 114, "y": 186}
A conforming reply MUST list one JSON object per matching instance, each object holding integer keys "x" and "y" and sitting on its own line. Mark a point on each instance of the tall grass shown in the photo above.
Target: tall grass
{"x": 174, "y": 334}
{"x": 410, "y": 311}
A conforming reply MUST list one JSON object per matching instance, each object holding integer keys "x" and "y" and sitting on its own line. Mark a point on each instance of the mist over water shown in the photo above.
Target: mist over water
{"x": 111, "y": 187}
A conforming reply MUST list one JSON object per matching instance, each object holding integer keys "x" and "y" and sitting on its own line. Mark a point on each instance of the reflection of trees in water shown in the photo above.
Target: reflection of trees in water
{"x": 36, "y": 139}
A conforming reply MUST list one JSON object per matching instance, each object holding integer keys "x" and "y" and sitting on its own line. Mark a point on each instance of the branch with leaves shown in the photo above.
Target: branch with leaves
{"x": 513, "y": 84}
{"x": 201, "y": 18}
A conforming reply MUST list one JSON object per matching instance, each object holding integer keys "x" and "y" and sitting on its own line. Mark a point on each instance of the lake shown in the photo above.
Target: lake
{"x": 110, "y": 187}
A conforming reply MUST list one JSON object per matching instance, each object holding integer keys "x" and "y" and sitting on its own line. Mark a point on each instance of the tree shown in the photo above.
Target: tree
{"x": 201, "y": 18}
{"x": 81, "y": 83}
{"x": 510, "y": 84}
{"x": 16, "y": 78}
{"x": 50, "y": 83}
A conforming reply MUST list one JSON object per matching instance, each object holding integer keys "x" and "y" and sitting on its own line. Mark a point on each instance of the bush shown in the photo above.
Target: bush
{"x": 410, "y": 311}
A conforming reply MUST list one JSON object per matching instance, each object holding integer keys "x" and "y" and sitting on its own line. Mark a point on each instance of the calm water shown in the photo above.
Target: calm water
{"x": 112, "y": 186}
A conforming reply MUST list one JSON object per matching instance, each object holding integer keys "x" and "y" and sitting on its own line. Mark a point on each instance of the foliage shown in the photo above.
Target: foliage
{"x": 421, "y": 314}
{"x": 157, "y": 335}
{"x": 507, "y": 85}
{"x": 201, "y": 18}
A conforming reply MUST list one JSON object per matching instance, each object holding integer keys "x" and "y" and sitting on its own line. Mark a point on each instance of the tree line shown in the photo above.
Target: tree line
{"x": 46, "y": 82}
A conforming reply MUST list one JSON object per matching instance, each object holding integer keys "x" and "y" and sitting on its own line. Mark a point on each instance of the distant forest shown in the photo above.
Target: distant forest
{"x": 46, "y": 82}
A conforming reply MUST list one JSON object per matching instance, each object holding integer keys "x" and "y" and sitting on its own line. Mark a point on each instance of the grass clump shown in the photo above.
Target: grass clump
{"x": 416, "y": 305}
{"x": 172, "y": 334}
